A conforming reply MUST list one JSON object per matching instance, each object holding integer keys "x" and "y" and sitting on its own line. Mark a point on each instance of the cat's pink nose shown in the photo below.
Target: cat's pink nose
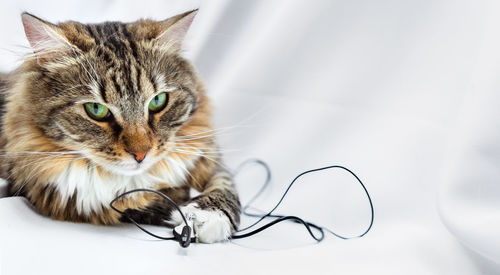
{"x": 139, "y": 155}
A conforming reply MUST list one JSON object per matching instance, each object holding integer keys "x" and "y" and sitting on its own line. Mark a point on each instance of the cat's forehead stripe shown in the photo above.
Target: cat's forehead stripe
{"x": 117, "y": 46}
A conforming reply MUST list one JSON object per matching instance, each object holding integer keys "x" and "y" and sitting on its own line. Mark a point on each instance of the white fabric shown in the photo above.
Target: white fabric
{"x": 405, "y": 93}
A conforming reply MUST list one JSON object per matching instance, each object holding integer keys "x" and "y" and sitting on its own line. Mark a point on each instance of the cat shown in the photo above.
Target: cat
{"x": 101, "y": 109}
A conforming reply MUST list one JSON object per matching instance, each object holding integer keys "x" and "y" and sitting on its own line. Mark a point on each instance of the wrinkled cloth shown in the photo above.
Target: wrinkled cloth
{"x": 404, "y": 93}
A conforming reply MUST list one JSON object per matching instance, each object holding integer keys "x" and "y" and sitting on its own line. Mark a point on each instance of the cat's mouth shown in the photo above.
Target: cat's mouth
{"x": 130, "y": 169}
{"x": 127, "y": 168}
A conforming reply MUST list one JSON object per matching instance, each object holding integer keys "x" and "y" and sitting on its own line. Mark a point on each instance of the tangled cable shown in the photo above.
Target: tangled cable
{"x": 184, "y": 237}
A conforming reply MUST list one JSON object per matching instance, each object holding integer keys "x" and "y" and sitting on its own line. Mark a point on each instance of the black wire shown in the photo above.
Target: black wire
{"x": 261, "y": 190}
{"x": 308, "y": 226}
{"x": 278, "y": 218}
{"x": 281, "y": 218}
{"x": 139, "y": 226}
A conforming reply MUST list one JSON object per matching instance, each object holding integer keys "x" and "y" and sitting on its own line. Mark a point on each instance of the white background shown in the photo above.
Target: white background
{"x": 405, "y": 93}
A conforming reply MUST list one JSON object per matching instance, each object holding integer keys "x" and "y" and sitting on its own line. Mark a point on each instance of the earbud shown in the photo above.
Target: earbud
{"x": 182, "y": 232}
{"x": 184, "y": 236}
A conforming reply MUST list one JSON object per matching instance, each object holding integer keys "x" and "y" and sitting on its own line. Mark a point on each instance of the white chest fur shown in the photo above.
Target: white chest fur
{"x": 94, "y": 190}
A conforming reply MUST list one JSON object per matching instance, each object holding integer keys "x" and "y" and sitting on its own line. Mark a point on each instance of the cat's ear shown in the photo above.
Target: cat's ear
{"x": 46, "y": 39}
{"x": 174, "y": 29}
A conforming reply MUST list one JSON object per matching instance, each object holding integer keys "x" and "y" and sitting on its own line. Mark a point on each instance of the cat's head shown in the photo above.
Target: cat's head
{"x": 114, "y": 91}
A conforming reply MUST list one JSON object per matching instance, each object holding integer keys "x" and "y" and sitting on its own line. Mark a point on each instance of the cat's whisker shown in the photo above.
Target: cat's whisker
{"x": 48, "y": 152}
{"x": 204, "y": 150}
{"x": 40, "y": 167}
{"x": 198, "y": 153}
{"x": 213, "y": 132}
{"x": 44, "y": 167}
{"x": 192, "y": 153}
{"x": 203, "y": 156}
{"x": 198, "y": 146}
{"x": 197, "y": 150}
{"x": 209, "y": 133}
{"x": 211, "y": 153}
{"x": 50, "y": 157}
{"x": 201, "y": 133}
{"x": 16, "y": 153}
{"x": 39, "y": 161}
{"x": 189, "y": 174}
{"x": 33, "y": 162}
{"x": 193, "y": 137}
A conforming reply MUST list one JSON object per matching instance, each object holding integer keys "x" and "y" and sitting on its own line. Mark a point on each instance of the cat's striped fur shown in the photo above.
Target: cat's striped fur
{"x": 71, "y": 166}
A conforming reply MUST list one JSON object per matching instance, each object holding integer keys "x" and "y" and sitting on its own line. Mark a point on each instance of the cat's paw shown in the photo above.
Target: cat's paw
{"x": 209, "y": 226}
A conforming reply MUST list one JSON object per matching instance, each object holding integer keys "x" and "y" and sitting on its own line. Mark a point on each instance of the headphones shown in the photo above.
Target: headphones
{"x": 183, "y": 232}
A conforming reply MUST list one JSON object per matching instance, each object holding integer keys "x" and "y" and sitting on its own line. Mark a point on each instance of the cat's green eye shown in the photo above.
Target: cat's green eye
{"x": 158, "y": 102}
{"x": 97, "y": 111}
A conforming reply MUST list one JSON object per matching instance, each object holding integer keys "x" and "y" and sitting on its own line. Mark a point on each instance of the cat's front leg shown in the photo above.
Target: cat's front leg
{"x": 216, "y": 212}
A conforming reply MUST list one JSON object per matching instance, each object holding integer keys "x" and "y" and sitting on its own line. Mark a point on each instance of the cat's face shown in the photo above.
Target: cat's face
{"x": 116, "y": 93}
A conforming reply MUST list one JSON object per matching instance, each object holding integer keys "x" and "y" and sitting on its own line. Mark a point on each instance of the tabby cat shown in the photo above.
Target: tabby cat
{"x": 100, "y": 109}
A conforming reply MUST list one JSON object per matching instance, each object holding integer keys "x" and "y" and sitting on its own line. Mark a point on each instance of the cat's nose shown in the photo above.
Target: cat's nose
{"x": 139, "y": 155}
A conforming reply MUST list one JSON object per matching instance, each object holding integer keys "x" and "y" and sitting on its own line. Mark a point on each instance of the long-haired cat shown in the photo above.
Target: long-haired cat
{"x": 100, "y": 109}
